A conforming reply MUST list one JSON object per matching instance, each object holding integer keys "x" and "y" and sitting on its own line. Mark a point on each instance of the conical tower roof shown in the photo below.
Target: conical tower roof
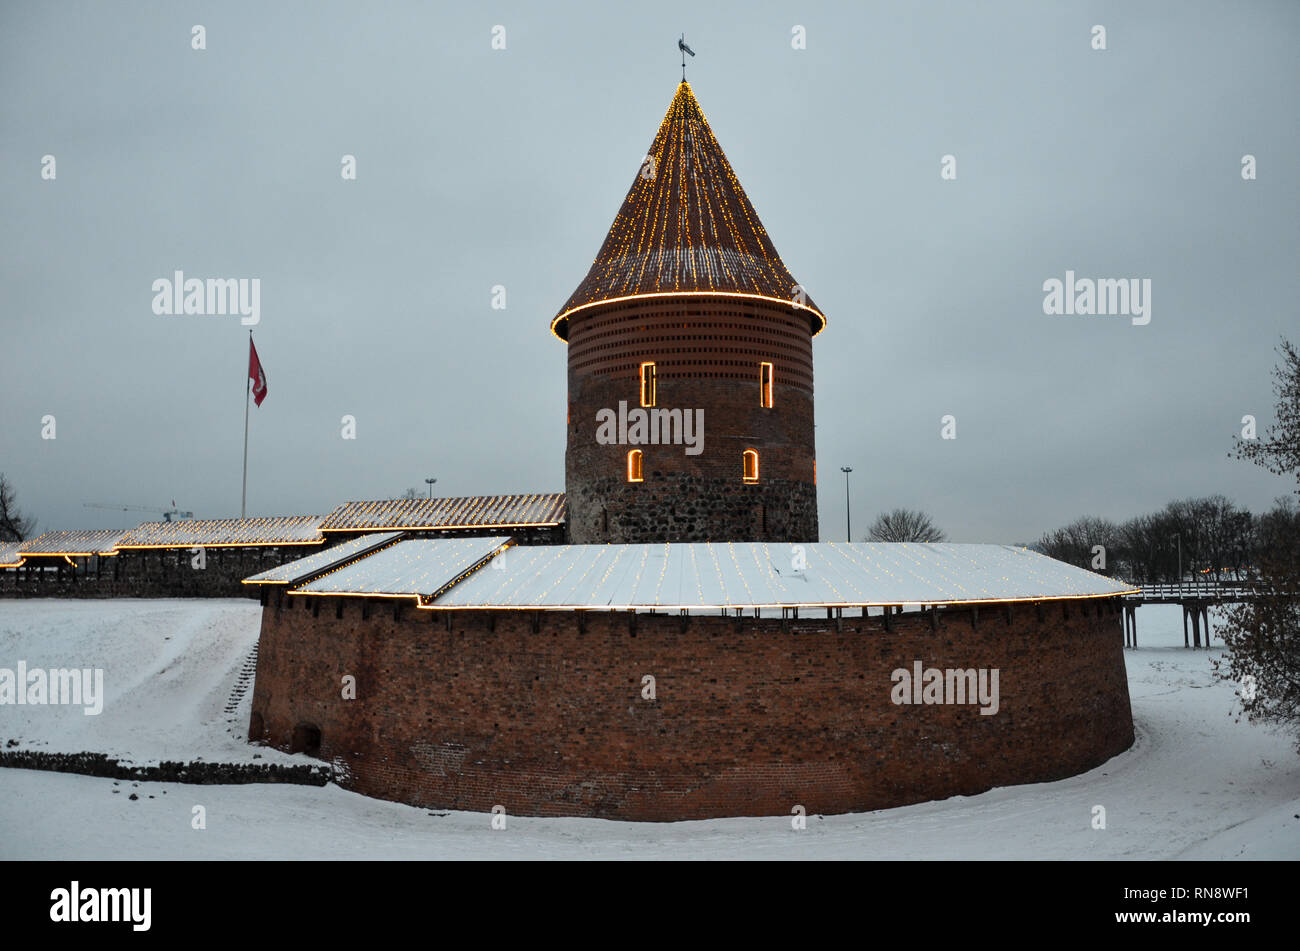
{"x": 686, "y": 227}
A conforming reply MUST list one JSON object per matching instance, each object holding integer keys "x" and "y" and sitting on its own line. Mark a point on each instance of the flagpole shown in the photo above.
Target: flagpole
{"x": 248, "y": 384}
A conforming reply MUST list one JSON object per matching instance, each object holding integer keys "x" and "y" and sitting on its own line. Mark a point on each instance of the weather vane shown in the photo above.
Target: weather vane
{"x": 681, "y": 45}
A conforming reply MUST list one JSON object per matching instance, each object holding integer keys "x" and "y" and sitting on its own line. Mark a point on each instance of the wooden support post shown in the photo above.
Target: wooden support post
{"x": 974, "y": 617}
{"x": 934, "y": 617}
{"x": 1196, "y": 626}
{"x": 889, "y": 622}
{"x": 1186, "y": 642}
{"x": 839, "y": 620}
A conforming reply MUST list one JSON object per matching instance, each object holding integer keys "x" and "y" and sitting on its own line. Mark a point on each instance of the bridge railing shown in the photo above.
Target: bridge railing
{"x": 1187, "y": 590}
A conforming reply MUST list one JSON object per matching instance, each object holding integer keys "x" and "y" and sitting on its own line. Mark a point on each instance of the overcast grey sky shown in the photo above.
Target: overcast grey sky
{"x": 478, "y": 167}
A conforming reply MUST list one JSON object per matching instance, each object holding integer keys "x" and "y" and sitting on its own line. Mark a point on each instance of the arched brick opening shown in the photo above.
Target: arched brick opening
{"x": 306, "y": 739}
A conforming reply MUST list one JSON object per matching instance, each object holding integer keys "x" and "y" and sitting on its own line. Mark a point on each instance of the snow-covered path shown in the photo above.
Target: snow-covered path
{"x": 1195, "y": 785}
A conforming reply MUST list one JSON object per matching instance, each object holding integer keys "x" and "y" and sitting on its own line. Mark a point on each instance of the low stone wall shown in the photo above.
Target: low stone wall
{"x": 99, "y": 764}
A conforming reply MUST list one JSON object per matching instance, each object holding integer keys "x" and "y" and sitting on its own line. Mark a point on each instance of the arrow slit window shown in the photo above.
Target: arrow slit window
{"x": 751, "y": 465}
{"x": 765, "y": 385}
{"x": 634, "y": 466}
{"x": 647, "y": 384}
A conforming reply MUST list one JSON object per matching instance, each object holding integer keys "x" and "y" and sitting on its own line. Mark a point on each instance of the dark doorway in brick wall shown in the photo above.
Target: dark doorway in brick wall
{"x": 256, "y": 727}
{"x": 306, "y": 739}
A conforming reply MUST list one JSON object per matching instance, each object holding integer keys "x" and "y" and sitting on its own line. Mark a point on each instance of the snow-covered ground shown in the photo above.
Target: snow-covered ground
{"x": 169, "y": 668}
{"x": 1196, "y": 784}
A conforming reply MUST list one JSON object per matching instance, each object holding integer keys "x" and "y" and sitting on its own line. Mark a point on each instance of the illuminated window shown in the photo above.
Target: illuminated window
{"x": 765, "y": 385}
{"x": 751, "y": 465}
{"x": 647, "y": 384}
{"x": 634, "y": 465}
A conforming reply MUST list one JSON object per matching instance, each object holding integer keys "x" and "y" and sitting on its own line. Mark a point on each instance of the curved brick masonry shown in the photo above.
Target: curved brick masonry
{"x": 543, "y": 714}
{"x": 707, "y": 353}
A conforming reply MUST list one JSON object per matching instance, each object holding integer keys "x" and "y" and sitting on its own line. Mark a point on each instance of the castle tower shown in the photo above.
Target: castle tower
{"x": 688, "y": 315}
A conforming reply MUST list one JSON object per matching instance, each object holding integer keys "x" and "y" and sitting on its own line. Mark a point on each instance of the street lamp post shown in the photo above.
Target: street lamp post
{"x": 430, "y": 482}
{"x": 848, "y": 520}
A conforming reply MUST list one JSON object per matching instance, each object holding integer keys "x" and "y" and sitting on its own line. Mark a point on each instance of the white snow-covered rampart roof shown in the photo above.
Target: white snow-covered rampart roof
{"x": 757, "y": 575}
{"x": 486, "y": 573}
{"x": 226, "y": 532}
{"x": 93, "y": 542}
{"x": 419, "y": 568}
{"x": 501, "y": 512}
{"x": 302, "y": 568}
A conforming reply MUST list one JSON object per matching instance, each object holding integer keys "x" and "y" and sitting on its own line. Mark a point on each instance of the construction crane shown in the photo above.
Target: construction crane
{"x": 165, "y": 513}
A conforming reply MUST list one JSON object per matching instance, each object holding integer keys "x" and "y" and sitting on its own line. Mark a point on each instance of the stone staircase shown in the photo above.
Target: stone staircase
{"x": 243, "y": 681}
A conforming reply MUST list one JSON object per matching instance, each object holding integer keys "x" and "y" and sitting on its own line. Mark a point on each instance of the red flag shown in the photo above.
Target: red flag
{"x": 256, "y": 374}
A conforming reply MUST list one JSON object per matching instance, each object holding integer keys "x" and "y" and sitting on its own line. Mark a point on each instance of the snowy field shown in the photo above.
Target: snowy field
{"x": 1195, "y": 785}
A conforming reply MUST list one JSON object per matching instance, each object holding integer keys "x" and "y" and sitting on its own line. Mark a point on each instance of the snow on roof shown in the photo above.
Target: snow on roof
{"x": 219, "y": 532}
{"x": 755, "y": 574}
{"x": 480, "y": 511}
{"x": 301, "y": 568}
{"x": 417, "y": 567}
{"x": 9, "y": 557}
{"x": 686, "y": 228}
{"x": 97, "y": 542}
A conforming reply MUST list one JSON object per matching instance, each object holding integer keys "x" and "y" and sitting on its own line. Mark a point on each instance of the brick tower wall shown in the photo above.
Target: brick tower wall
{"x": 544, "y": 714}
{"x": 707, "y": 353}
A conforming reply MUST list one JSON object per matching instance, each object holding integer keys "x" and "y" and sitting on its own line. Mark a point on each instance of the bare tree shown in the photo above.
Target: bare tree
{"x": 1088, "y": 542}
{"x": 1262, "y": 635}
{"x": 1278, "y": 449}
{"x": 410, "y": 494}
{"x": 904, "y": 525}
{"x": 14, "y": 526}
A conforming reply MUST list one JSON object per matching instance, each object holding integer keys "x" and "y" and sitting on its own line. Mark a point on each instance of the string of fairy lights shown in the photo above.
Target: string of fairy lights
{"x": 514, "y": 511}
{"x": 407, "y": 568}
{"x": 732, "y": 575}
{"x": 686, "y": 226}
{"x": 215, "y": 532}
{"x": 619, "y": 577}
{"x": 333, "y": 558}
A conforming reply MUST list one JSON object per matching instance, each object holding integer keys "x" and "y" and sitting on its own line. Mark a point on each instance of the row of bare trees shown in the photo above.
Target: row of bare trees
{"x": 1207, "y": 537}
